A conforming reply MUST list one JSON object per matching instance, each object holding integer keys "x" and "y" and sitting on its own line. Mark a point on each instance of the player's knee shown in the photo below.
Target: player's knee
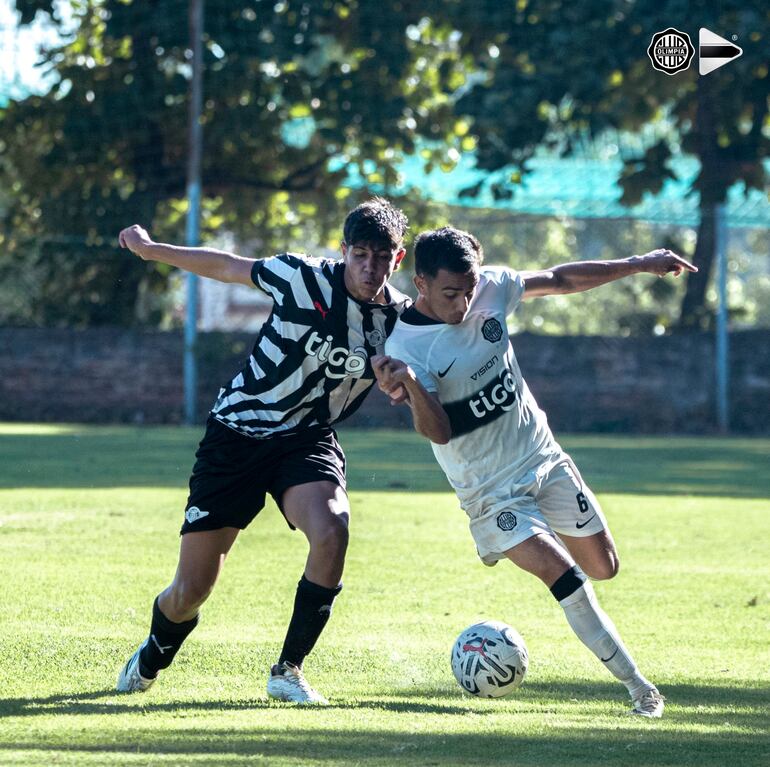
{"x": 333, "y": 537}
{"x": 604, "y": 569}
{"x": 189, "y": 594}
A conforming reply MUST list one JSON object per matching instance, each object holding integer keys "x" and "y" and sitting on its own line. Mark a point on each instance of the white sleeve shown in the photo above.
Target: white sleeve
{"x": 395, "y": 347}
{"x": 510, "y": 281}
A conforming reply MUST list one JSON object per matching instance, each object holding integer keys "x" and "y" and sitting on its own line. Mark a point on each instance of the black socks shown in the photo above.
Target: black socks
{"x": 312, "y": 608}
{"x": 165, "y": 639}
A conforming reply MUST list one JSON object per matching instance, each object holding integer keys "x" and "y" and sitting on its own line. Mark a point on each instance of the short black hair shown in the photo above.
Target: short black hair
{"x": 447, "y": 248}
{"x": 376, "y": 221}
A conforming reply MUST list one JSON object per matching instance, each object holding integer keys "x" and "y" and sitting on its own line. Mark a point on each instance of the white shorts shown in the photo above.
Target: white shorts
{"x": 553, "y": 499}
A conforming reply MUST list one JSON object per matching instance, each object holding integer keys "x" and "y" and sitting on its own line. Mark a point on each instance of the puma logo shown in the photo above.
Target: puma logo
{"x": 479, "y": 648}
{"x": 161, "y": 648}
{"x": 324, "y": 312}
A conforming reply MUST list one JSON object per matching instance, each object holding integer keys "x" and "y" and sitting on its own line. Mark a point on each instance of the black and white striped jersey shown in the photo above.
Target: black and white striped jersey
{"x": 310, "y": 364}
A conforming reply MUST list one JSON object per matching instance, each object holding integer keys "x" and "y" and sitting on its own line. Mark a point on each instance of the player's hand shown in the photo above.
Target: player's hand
{"x": 136, "y": 239}
{"x": 663, "y": 262}
{"x": 391, "y": 374}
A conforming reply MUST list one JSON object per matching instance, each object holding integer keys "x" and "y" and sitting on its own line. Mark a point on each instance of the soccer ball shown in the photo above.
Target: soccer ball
{"x": 489, "y": 659}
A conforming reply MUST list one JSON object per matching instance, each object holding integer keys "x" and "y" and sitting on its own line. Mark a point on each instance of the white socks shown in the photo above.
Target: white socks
{"x": 597, "y": 632}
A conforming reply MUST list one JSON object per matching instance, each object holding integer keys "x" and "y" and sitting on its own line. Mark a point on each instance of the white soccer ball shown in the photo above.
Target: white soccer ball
{"x": 489, "y": 659}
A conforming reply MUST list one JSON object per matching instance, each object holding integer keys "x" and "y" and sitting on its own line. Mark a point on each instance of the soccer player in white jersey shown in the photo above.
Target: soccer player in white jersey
{"x": 270, "y": 429}
{"x": 451, "y": 359}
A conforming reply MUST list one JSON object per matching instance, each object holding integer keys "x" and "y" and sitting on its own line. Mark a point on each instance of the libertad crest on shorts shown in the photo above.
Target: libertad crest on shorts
{"x": 492, "y": 330}
{"x": 671, "y": 51}
{"x": 506, "y": 520}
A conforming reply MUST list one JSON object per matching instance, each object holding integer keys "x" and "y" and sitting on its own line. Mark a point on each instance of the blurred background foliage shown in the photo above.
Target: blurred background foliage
{"x": 311, "y": 105}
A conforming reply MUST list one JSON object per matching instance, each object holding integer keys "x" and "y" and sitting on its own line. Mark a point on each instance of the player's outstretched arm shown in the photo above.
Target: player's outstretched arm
{"x": 395, "y": 377}
{"x": 584, "y": 275}
{"x": 207, "y": 262}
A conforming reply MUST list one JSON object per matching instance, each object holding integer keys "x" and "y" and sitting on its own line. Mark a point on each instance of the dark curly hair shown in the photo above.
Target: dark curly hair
{"x": 375, "y": 221}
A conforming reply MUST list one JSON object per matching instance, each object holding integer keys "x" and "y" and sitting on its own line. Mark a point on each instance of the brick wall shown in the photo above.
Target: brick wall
{"x": 583, "y": 383}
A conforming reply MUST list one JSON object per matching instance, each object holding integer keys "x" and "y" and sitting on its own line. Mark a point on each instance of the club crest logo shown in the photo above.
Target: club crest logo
{"x": 492, "y": 330}
{"x": 671, "y": 51}
{"x": 506, "y": 520}
{"x": 193, "y": 514}
{"x": 375, "y": 338}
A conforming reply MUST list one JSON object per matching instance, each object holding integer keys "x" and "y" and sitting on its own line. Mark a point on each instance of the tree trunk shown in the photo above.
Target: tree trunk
{"x": 712, "y": 186}
{"x": 695, "y": 315}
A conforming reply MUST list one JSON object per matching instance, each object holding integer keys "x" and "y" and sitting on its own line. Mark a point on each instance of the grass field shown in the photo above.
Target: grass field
{"x": 88, "y": 536}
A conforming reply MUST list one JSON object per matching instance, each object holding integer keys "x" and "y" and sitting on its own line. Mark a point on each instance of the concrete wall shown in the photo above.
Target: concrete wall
{"x": 653, "y": 385}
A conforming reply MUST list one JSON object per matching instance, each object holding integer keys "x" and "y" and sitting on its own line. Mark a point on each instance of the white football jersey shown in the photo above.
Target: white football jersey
{"x": 499, "y": 434}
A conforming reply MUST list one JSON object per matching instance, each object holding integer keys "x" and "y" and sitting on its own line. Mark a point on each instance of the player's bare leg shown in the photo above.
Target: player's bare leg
{"x": 175, "y": 610}
{"x": 321, "y": 511}
{"x": 596, "y": 554}
{"x": 544, "y": 557}
{"x": 201, "y": 557}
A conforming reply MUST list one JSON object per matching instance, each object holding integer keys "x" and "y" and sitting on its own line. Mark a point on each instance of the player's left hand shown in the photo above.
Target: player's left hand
{"x": 663, "y": 262}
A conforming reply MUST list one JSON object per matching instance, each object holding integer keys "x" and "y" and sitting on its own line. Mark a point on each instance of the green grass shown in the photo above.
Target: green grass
{"x": 88, "y": 535}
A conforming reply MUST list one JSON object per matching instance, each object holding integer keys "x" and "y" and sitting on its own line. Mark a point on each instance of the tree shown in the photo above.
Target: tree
{"x": 559, "y": 74}
{"x": 296, "y": 93}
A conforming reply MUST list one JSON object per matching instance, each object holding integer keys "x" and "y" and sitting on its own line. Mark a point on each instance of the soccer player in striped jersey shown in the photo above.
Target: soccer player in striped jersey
{"x": 524, "y": 497}
{"x": 271, "y": 429}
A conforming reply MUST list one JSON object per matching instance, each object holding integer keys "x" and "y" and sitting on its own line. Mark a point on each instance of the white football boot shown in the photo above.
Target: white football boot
{"x": 287, "y": 683}
{"x": 129, "y": 679}
{"x": 649, "y": 704}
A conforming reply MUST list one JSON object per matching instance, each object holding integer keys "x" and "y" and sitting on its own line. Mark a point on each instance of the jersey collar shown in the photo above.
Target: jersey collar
{"x": 413, "y": 316}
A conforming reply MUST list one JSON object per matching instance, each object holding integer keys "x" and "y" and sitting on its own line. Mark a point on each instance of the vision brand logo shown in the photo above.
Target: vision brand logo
{"x": 484, "y": 368}
{"x": 501, "y": 396}
{"x": 671, "y": 51}
{"x": 348, "y": 363}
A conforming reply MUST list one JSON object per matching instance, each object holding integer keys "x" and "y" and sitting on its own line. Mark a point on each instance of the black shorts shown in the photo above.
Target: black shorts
{"x": 233, "y": 473}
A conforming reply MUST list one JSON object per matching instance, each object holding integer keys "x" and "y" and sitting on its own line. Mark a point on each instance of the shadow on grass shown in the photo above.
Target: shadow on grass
{"x": 108, "y": 701}
{"x": 703, "y": 703}
{"x": 381, "y": 459}
{"x": 673, "y": 741}
{"x": 304, "y": 739}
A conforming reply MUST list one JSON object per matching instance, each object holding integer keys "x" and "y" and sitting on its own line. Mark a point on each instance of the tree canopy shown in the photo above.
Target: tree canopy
{"x": 295, "y": 94}
{"x": 299, "y": 92}
{"x": 559, "y": 74}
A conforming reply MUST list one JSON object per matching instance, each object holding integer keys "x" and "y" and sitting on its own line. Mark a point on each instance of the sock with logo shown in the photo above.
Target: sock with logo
{"x": 165, "y": 639}
{"x": 595, "y": 629}
{"x": 312, "y": 609}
